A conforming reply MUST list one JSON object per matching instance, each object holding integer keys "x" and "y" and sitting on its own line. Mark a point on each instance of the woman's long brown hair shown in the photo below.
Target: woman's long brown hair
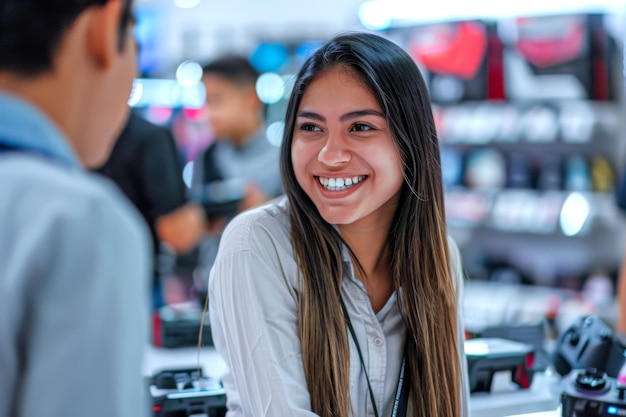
{"x": 417, "y": 241}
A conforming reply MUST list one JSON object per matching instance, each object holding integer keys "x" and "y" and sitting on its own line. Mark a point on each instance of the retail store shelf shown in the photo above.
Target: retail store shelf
{"x": 528, "y": 211}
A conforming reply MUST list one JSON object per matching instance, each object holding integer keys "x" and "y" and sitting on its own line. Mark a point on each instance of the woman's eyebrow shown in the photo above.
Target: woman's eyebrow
{"x": 351, "y": 115}
{"x": 360, "y": 113}
{"x": 311, "y": 115}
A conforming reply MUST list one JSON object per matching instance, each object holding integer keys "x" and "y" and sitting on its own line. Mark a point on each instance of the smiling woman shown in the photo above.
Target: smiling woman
{"x": 341, "y": 299}
{"x": 341, "y": 134}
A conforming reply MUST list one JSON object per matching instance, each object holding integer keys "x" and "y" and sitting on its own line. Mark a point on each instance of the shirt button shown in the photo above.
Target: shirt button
{"x": 378, "y": 341}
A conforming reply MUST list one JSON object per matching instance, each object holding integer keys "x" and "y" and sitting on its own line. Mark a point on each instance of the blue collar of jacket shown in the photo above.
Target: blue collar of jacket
{"x": 25, "y": 127}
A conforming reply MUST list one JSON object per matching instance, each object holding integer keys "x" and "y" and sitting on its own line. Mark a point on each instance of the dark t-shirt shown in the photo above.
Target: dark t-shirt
{"x": 146, "y": 165}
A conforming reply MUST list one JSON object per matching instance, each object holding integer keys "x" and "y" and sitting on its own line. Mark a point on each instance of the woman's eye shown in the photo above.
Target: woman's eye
{"x": 308, "y": 127}
{"x": 361, "y": 127}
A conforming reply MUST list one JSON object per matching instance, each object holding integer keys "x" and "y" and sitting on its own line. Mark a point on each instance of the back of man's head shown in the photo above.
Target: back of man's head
{"x": 31, "y": 31}
{"x": 75, "y": 61}
{"x": 233, "y": 68}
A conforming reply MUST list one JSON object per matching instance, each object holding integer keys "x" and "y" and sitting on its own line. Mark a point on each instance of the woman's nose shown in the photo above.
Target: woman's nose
{"x": 335, "y": 151}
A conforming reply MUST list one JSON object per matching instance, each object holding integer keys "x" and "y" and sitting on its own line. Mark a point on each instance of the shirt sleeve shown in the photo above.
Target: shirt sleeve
{"x": 87, "y": 321}
{"x": 459, "y": 276}
{"x": 254, "y": 323}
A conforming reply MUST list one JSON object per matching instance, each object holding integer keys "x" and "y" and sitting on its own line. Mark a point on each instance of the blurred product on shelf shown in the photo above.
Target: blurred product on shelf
{"x": 592, "y": 393}
{"x": 602, "y": 175}
{"x": 559, "y": 56}
{"x": 555, "y": 121}
{"x": 454, "y": 55}
{"x": 485, "y": 168}
{"x": 493, "y": 304}
{"x": 487, "y": 356}
{"x": 577, "y": 176}
{"x": 589, "y": 343}
{"x": 178, "y": 325}
{"x": 549, "y": 57}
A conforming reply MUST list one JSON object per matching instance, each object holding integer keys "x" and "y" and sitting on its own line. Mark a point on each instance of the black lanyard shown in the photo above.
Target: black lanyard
{"x": 402, "y": 390}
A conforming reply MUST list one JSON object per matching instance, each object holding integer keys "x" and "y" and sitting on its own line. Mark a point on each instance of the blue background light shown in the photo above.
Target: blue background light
{"x": 269, "y": 56}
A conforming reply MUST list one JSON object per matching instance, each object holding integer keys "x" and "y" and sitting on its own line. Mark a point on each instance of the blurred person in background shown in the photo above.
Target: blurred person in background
{"x": 241, "y": 150}
{"x": 145, "y": 164}
{"x": 74, "y": 255}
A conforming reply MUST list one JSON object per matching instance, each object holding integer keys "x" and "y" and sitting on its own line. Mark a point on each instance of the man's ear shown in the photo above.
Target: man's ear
{"x": 103, "y": 31}
{"x": 252, "y": 98}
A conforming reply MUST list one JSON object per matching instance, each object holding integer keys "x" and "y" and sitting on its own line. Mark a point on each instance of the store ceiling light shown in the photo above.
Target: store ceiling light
{"x": 575, "y": 214}
{"x": 270, "y": 87}
{"x": 186, "y": 4}
{"x": 269, "y": 56}
{"x": 189, "y": 73}
{"x": 274, "y": 133}
{"x": 166, "y": 93}
{"x": 382, "y": 14}
{"x": 375, "y": 15}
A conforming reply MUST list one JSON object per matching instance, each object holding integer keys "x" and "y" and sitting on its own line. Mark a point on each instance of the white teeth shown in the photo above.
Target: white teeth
{"x": 339, "y": 184}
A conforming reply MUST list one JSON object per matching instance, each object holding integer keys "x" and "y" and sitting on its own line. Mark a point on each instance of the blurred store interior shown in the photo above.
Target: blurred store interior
{"x": 529, "y": 103}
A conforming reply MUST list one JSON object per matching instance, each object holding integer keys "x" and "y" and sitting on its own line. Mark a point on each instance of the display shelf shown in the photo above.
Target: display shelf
{"x": 499, "y": 123}
{"x": 529, "y": 112}
{"x": 530, "y": 211}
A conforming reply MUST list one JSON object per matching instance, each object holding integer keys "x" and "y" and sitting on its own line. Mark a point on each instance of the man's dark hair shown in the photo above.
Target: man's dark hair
{"x": 31, "y": 31}
{"x": 236, "y": 69}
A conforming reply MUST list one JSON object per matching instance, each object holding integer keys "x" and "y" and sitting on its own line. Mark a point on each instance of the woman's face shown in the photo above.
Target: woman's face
{"x": 343, "y": 154}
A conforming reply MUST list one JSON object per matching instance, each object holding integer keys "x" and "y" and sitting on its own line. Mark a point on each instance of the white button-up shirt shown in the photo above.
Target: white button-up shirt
{"x": 253, "y": 306}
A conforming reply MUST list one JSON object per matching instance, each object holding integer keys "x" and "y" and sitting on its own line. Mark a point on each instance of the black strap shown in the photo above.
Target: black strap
{"x": 402, "y": 391}
{"x": 358, "y": 349}
{"x": 401, "y": 402}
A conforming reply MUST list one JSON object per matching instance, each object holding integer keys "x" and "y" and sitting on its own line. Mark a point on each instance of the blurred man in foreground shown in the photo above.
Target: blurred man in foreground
{"x": 74, "y": 255}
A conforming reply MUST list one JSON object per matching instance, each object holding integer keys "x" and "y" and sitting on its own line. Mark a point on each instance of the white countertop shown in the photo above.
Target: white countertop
{"x": 541, "y": 400}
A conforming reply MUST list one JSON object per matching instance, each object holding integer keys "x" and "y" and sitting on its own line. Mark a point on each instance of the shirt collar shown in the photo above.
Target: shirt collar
{"x": 257, "y": 141}
{"x": 24, "y": 126}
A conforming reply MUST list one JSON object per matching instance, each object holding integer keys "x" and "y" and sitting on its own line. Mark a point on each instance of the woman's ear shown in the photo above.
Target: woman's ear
{"x": 103, "y": 31}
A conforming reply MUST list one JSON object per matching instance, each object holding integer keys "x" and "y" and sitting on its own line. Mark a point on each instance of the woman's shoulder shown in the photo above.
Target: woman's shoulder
{"x": 453, "y": 249}
{"x": 258, "y": 228}
{"x": 456, "y": 264}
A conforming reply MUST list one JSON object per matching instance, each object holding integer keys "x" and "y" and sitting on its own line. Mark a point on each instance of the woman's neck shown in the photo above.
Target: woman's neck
{"x": 370, "y": 249}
